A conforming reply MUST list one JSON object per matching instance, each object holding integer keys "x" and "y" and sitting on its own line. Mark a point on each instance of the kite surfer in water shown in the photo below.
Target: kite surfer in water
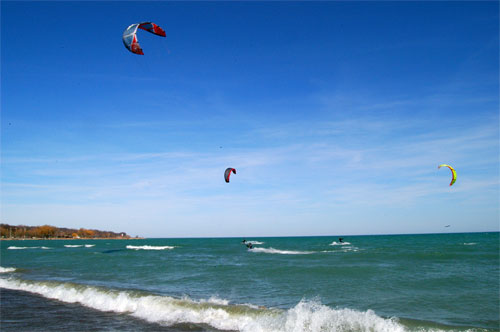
{"x": 249, "y": 245}
{"x": 341, "y": 239}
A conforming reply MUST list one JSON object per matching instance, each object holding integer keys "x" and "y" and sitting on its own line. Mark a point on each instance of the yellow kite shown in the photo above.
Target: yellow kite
{"x": 453, "y": 173}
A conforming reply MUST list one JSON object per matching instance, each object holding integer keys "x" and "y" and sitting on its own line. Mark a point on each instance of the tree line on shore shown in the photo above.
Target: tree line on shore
{"x": 47, "y": 231}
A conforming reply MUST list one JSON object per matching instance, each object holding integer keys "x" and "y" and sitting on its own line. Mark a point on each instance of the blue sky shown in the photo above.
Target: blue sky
{"x": 334, "y": 114}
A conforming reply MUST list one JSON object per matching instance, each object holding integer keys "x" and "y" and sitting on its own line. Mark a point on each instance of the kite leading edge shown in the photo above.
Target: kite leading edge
{"x": 130, "y": 35}
{"x": 453, "y": 173}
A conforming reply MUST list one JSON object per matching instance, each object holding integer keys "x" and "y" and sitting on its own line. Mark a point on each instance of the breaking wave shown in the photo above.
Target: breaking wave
{"x": 150, "y": 247}
{"x": 282, "y": 252}
{"x": 79, "y": 245}
{"x": 7, "y": 269}
{"x": 21, "y": 248}
{"x": 310, "y": 316}
{"x": 334, "y": 243}
{"x": 254, "y": 242}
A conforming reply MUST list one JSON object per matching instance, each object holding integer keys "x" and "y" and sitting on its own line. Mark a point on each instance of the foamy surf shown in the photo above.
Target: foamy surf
{"x": 310, "y": 316}
{"x": 22, "y": 248}
{"x": 79, "y": 245}
{"x": 150, "y": 247}
{"x": 282, "y": 252}
{"x": 254, "y": 242}
{"x": 344, "y": 246}
{"x": 7, "y": 269}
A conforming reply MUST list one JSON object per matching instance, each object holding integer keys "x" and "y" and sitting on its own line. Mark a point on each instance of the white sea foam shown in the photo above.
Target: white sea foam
{"x": 7, "y": 269}
{"x": 150, "y": 247}
{"x": 213, "y": 300}
{"x": 21, "y": 248}
{"x": 306, "y": 316}
{"x": 254, "y": 242}
{"x": 79, "y": 245}
{"x": 348, "y": 249}
{"x": 334, "y": 243}
{"x": 342, "y": 250}
{"x": 470, "y": 244}
{"x": 282, "y": 252}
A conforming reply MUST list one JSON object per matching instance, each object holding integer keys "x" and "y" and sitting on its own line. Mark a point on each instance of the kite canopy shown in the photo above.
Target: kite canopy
{"x": 130, "y": 35}
{"x": 227, "y": 173}
{"x": 453, "y": 173}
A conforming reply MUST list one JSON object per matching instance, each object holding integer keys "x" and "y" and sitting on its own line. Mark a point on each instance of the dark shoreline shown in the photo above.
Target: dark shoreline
{"x": 70, "y": 239}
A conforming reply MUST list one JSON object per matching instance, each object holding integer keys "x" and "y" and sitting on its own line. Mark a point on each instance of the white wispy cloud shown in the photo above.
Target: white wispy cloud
{"x": 314, "y": 169}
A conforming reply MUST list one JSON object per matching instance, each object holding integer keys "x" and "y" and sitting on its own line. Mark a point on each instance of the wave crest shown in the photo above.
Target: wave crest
{"x": 310, "y": 316}
{"x": 254, "y": 242}
{"x": 282, "y": 252}
{"x": 21, "y": 248}
{"x": 150, "y": 247}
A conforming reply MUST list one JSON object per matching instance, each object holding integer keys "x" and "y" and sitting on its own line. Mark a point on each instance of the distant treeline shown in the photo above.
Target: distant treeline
{"x": 47, "y": 231}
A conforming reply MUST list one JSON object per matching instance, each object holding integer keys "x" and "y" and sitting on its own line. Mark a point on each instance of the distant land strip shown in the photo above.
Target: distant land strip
{"x": 19, "y": 232}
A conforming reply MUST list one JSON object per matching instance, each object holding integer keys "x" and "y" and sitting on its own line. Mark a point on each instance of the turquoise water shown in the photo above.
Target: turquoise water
{"x": 429, "y": 282}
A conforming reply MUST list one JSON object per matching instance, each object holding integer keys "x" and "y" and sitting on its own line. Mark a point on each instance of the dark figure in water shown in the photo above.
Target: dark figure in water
{"x": 244, "y": 241}
{"x": 249, "y": 245}
{"x": 341, "y": 239}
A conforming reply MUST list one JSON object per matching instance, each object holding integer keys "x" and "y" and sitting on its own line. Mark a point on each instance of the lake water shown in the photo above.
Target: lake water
{"x": 429, "y": 282}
